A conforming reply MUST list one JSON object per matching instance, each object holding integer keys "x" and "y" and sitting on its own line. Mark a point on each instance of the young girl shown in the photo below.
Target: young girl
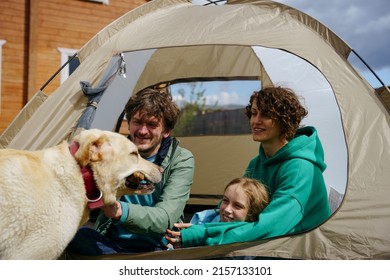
{"x": 243, "y": 200}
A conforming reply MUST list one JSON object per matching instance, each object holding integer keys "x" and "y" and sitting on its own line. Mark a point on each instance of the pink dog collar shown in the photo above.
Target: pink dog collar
{"x": 94, "y": 195}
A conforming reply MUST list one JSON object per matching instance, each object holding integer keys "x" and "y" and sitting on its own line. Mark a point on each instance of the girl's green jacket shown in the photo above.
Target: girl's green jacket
{"x": 299, "y": 199}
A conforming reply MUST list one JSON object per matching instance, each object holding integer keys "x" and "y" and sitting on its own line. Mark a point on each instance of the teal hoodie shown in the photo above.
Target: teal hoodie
{"x": 299, "y": 199}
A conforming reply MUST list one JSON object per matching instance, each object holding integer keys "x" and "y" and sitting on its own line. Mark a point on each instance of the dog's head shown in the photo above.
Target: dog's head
{"x": 117, "y": 166}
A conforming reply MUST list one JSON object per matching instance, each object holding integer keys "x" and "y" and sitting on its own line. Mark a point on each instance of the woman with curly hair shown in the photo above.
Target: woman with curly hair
{"x": 290, "y": 163}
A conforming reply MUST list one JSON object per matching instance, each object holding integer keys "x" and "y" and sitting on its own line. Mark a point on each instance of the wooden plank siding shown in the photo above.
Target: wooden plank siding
{"x": 33, "y": 31}
{"x": 13, "y": 28}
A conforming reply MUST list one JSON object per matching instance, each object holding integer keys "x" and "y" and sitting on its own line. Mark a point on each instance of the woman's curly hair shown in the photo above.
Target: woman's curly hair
{"x": 282, "y": 106}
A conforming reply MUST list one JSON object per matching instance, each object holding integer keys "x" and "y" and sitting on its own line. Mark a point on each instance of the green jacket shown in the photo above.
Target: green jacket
{"x": 170, "y": 197}
{"x": 299, "y": 199}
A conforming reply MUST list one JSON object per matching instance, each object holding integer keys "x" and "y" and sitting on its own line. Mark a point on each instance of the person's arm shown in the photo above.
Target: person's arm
{"x": 175, "y": 194}
{"x": 280, "y": 217}
{"x": 276, "y": 221}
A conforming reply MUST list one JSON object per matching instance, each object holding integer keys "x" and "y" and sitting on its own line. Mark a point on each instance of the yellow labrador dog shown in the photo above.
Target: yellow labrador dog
{"x": 46, "y": 195}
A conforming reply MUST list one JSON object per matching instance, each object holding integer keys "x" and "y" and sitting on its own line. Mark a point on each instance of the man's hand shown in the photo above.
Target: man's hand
{"x": 113, "y": 211}
{"x": 174, "y": 237}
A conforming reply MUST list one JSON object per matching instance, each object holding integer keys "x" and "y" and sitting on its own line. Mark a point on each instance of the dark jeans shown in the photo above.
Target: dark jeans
{"x": 88, "y": 241}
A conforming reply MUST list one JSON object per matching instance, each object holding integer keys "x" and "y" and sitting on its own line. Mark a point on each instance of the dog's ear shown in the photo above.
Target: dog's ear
{"x": 90, "y": 150}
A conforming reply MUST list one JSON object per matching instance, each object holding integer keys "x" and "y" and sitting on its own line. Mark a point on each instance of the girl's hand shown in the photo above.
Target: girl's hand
{"x": 181, "y": 226}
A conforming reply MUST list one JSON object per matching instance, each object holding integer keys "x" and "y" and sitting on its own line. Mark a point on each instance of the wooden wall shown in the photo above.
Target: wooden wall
{"x": 33, "y": 31}
{"x": 13, "y": 28}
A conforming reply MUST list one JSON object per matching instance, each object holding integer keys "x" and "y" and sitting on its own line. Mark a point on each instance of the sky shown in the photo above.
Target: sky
{"x": 363, "y": 24}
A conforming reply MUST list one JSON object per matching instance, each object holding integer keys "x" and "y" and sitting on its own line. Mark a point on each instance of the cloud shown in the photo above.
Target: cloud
{"x": 224, "y": 98}
{"x": 364, "y": 25}
{"x": 379, "y": 25}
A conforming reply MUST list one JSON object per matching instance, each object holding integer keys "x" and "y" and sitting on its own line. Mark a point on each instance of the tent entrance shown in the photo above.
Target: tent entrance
{"x": 218, "y": 132}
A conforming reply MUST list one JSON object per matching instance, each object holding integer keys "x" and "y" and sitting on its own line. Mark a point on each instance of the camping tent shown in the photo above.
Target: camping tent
{"x": 175, "y": 41}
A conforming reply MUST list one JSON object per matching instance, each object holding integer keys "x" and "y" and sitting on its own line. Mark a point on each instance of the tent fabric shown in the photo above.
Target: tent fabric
{"x": 161, "y": 19}
{"x": 93, "y": 95}
{"x": 244, "y": 64}
{"x": 384, "y": 96}
{"x": 121, "y": 23}
{"x": 166, "y": 40}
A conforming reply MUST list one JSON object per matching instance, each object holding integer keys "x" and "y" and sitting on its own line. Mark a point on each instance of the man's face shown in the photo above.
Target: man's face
{"x": 147, "y": 133}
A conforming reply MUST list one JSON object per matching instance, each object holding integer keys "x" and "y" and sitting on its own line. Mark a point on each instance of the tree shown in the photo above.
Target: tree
{"x": 195, "y": 105}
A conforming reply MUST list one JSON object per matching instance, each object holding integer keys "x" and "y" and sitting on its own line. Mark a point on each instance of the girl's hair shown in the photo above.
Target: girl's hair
{"x": 282, "y": 106}
{"x": 154, "y": 102}
{"x": 257, "y": 194}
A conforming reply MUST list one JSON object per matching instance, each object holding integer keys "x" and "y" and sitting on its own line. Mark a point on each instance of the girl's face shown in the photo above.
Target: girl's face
{"x": 264, "y": 129}
{"x": 235, "y": 204}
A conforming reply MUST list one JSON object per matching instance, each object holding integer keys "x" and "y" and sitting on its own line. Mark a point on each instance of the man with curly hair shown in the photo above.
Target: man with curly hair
{"x": 137, "y": 223}
{"x": 290, "y": 163}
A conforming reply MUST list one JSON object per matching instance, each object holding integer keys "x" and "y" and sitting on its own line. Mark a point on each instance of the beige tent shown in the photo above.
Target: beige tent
{"x": 175, "y": 41}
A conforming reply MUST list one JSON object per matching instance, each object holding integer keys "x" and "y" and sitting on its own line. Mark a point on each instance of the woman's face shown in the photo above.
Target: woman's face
{"x": 264, "y": 129}
{"x": 235, "y": 204}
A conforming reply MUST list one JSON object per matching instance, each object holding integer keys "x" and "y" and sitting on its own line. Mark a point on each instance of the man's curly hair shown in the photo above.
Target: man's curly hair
{"x": 281, "y": 105}
{"x": 156, "y": 103}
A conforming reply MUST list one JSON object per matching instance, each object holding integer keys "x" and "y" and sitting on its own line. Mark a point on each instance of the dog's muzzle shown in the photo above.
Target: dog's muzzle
{"x": 138, "y": 182}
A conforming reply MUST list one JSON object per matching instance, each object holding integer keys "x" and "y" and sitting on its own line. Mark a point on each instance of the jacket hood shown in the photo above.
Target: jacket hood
{"x": 305, "y": 145}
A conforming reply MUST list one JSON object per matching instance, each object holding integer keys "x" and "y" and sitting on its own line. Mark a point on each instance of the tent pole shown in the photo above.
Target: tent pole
{"x": 119, "y": 122}
{"x": 58, "y": 71}
{"x": 215, "y": 2}
{"x": 369, "y": 68}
